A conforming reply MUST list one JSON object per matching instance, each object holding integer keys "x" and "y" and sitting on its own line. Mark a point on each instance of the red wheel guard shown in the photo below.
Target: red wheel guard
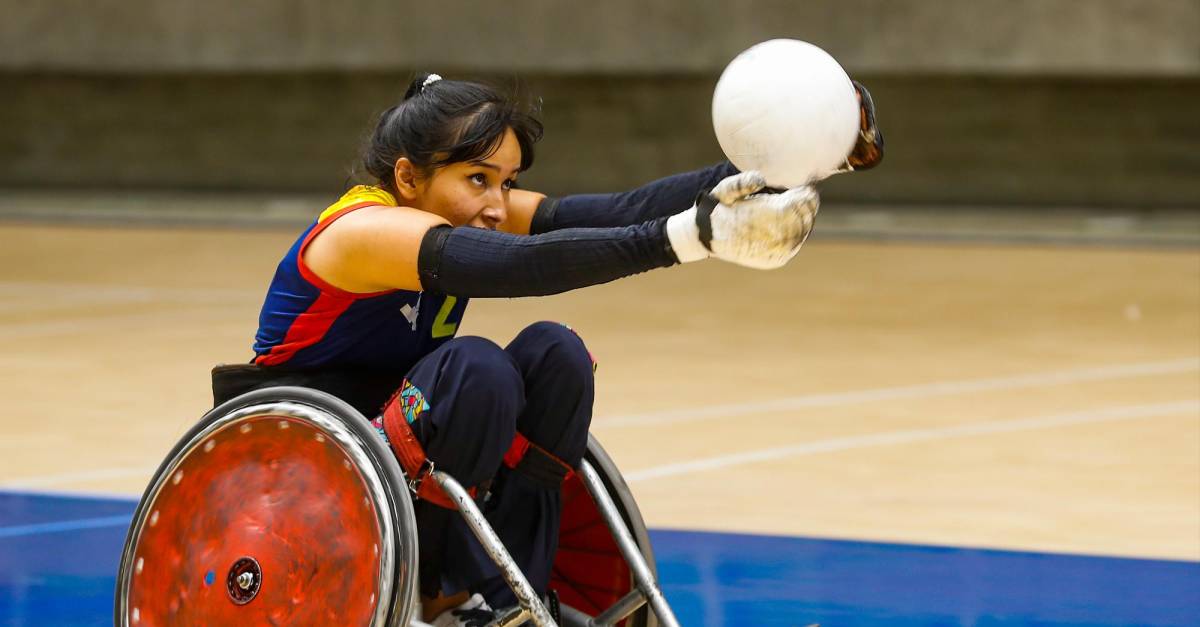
{"x": 274, "y": 490}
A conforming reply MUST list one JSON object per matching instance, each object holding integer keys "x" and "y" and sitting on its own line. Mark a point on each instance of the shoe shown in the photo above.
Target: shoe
{"x": 473, "y": 613}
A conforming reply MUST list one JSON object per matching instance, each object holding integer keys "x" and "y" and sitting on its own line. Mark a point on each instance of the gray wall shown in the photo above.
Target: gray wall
{"x": 1082, "y": 103}
{"x": 1076, "y": 37}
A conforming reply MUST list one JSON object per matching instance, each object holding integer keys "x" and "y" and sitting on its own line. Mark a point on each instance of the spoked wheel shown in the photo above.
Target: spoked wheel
{"x": 589, "y": 572}
{"x": 280, "y": 507}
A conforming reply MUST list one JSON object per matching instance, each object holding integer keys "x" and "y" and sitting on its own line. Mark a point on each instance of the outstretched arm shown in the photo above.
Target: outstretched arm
{"x": 381, "y": 248}
{"x": 733, "y": 223}
{"x": 533, "y": 213}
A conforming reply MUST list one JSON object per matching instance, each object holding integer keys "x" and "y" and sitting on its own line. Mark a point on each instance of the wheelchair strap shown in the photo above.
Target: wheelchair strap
{"x": 411, "y": 455}
{"x": 536, "y": 462}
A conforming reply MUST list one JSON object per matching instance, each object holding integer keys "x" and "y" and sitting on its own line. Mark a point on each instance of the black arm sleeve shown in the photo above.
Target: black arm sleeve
{"x": 473, "y": 262}
{"x": 661, "y": 198}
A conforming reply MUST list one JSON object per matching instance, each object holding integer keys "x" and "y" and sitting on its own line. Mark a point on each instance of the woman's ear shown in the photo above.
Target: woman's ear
{"x": 406, "y": 180}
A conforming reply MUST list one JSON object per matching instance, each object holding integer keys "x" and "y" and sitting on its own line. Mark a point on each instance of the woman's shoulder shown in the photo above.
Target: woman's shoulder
{"x": 357, "y": 197}
{"x": 366, "y": 242}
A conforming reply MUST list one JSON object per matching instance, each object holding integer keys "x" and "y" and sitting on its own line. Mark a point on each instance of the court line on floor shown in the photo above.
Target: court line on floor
{"x": 719, "y": 462}
{"x": 834, "y": 445}
{"x": 51, "y": 493}
{"x": 923, "y": 390}
{"x": 101, "y": 522}
{"x": 176, "y": 320}
{"x": 799, "y": 402}
{"x": 86, "y": 292}
{"x": 92, "y": 299}
{"x": 83, "y": 476}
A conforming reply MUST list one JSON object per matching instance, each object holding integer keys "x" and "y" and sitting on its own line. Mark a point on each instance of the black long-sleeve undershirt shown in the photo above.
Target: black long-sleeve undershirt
{"x": 658, "y": 199}
{"x": 575, "y": 241}
{"x": 472, "y": 262}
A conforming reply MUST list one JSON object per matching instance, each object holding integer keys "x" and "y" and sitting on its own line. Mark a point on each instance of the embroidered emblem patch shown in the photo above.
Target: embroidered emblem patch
{"x": 378, "y": 424}
{"x": 412, "y": 401}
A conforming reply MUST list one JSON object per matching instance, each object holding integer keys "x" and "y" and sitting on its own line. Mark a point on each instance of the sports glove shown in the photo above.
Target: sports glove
{"x": 735, "y": 223}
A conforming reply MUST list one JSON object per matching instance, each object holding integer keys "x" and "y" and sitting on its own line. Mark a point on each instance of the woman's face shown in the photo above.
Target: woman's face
{"x": 473, "y": 193}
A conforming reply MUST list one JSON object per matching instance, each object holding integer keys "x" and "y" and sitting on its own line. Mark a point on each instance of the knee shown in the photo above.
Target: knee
{"x": 553, "y": 333}
{"x": 559, "y": 347}
{"x": 478, "y": 389}
{"x": 479, "y": 364}
{"x": 559, "y": 388}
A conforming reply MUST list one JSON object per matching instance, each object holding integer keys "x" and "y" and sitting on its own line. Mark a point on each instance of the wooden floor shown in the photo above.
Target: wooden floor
{"x": 1001, "y": 396}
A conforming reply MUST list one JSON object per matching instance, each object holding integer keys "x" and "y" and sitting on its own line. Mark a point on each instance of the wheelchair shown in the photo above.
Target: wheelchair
{"x": 283, "y": 506}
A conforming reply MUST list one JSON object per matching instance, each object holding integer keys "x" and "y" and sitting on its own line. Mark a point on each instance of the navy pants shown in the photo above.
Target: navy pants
{"x": 479, "y": 395}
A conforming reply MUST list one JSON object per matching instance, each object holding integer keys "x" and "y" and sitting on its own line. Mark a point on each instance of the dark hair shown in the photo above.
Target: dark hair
{"x": 440, "y": 122}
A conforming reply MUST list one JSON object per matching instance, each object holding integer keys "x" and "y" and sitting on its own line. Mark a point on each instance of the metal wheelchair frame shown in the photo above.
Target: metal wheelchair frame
{"x": 398, "y": 602}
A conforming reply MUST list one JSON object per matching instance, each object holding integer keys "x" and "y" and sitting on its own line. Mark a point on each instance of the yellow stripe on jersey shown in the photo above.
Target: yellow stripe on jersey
{"x": 357, "y": 195}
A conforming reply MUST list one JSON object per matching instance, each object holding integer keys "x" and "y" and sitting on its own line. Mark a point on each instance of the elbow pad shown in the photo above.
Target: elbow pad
{"x": 473, "y": 262}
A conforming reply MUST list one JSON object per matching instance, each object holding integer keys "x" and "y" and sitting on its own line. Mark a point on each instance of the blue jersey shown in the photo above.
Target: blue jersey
{"x": 308, "y": 323}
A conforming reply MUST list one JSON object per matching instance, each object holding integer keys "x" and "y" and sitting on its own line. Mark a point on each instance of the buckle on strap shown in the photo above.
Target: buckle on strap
{"x": 411, "y": 455}
{"x": 419, "y": 477}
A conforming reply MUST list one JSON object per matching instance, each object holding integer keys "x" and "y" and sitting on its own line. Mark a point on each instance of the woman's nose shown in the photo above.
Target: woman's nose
{"x": 494, "y": 214}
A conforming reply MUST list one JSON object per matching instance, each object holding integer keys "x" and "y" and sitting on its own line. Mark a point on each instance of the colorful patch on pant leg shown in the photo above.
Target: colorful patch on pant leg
{"x": 412, "y": 401}
{"x": 378, "y": 424}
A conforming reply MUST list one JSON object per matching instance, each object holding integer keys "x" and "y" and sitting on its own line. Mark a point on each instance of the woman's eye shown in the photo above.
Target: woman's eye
{"x": 479, "y": 179}
{"x": 509, "y": 184}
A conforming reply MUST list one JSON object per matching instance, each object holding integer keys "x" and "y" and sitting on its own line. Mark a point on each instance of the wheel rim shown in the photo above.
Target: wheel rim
{"x": 272, "y": 513}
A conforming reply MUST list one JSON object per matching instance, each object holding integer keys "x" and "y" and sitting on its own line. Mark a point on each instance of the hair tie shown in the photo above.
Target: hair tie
{"x": 429, "y": 80}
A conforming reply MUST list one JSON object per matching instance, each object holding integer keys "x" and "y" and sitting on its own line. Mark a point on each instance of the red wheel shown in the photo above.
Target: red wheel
{"x": 278, "y": 508}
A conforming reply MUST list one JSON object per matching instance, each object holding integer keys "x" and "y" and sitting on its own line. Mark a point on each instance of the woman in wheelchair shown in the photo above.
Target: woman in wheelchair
{"x": 366, "y": 304}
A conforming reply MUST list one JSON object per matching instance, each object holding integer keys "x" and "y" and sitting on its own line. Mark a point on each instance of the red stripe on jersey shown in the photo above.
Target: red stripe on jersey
{"x": 307, "y": 329}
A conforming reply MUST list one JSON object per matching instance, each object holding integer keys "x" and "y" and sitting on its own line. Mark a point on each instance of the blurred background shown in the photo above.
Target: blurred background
{"x": 1026, "y": 258}
{"x": 987, "y": 102}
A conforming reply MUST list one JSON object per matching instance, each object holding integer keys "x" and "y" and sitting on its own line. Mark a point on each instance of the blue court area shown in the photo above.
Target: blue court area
{"x": 58, "y": 559}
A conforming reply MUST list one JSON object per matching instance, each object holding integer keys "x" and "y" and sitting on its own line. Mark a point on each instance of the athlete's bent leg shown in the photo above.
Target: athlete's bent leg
{"x": 526, "y": 501}
{"x": 462, "y": 402}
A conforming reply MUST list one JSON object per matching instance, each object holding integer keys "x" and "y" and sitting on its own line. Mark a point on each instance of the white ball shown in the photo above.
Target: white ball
{"x": 788, "y": 109}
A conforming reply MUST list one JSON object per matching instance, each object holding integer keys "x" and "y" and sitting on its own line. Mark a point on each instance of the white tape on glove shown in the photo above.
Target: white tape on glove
{"x": 737, "y": 224}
